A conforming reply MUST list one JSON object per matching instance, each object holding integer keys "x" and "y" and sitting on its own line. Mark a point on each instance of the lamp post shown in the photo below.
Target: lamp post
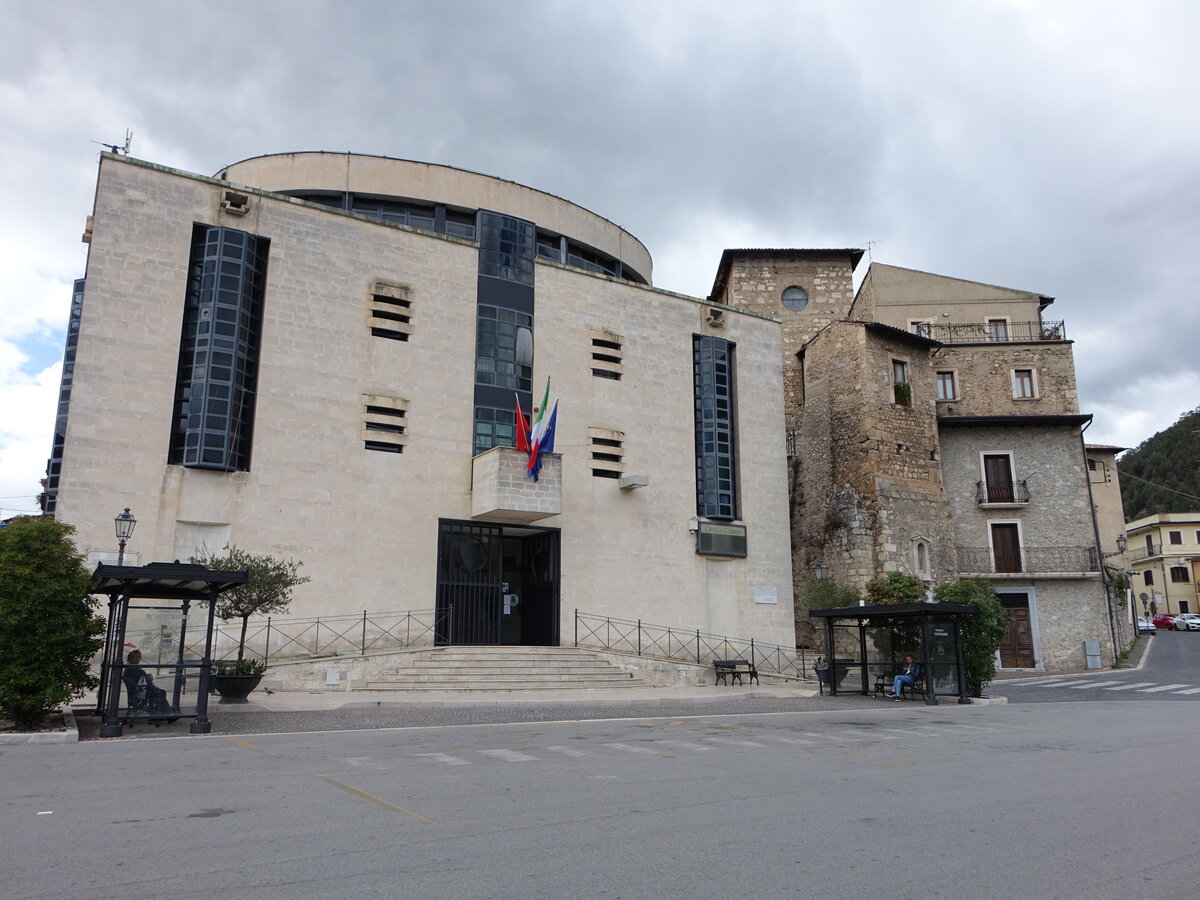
{"x": 124, "y": 526}
{"x": 822, "y": 572}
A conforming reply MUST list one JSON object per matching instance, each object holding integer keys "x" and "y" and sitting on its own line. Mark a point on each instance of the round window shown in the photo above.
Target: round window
{"x": 795, "y": 298}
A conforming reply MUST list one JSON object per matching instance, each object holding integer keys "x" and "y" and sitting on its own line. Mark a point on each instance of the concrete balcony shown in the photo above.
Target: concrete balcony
{"x": 501, "y": 492}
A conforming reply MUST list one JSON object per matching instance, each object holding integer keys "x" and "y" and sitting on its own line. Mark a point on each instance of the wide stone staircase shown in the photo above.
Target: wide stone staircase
{"x": 503, "y": 669}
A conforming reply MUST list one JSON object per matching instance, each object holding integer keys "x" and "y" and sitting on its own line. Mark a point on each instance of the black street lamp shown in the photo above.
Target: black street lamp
{"x": 124, "y": 524}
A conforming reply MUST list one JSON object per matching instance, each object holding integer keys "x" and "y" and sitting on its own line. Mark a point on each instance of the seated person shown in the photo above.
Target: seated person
{"x": 135, "y": 678}
{"x": 910, "y": 674}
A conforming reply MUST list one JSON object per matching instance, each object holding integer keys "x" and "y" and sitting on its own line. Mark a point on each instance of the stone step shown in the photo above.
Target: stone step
{"x": 510, "y": 669}
{"x": 505, "y": 665}
{"x": 490, "y": 687}
{"x": 508, "y": 677}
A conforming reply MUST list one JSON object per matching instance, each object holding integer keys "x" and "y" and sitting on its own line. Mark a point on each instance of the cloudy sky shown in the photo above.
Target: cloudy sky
{"x": 1046, "y": 146}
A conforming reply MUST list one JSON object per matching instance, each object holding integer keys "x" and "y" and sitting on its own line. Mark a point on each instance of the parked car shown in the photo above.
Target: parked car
{"x": 1187, "y": 622}
{"x": 1162, "y": 620}
{"x": 1145, "y": 626}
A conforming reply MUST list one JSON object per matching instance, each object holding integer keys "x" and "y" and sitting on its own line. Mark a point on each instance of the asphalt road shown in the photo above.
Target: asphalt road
{"x": 882, "y": 801}
{"x": 1169, "y": 671}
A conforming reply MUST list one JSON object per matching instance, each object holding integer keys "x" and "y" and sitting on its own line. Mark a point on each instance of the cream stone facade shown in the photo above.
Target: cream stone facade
{"x": 1164, "y": 554}
{"x": 364, "y": 461}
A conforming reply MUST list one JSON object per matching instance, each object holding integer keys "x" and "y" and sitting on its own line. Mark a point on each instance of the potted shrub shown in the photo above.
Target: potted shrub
{"x": 268, "y": 591}
{"x": 234, "y": 681}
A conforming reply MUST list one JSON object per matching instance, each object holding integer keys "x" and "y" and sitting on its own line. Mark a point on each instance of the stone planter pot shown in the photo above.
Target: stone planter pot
{"x": 235, "y": 688}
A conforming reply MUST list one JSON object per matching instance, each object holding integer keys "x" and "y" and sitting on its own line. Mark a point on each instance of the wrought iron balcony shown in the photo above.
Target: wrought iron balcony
{"x": 993, "y": 332}
{"x": 1030, "y": 560}
{"x": 1145, "y": 551}
{"x": 1001, "y": 492}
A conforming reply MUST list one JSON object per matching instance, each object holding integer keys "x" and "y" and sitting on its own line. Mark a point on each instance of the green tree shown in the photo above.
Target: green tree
{"x": 821, "y": 593}
{"x": 49, "y": 630}
{"x": 981, "y": 633}
{"x": 268, "y": 591}
{"x": 894, "y": 588}
{"x": 900, "y": 635}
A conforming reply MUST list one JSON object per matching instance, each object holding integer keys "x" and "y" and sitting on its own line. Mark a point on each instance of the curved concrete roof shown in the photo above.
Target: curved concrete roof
{"x": 434, "y": 183}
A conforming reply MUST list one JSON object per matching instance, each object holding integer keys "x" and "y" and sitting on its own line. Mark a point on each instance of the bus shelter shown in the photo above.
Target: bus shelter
{"x": 157, "y": 663}
{"x": 866, "y": 643}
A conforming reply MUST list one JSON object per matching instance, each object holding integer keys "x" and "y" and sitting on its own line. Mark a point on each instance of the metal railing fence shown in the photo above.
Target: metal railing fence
{"x": 324, "y": 636}
{"x": 693, "y": 646}
{"x": 1048, "y": 560}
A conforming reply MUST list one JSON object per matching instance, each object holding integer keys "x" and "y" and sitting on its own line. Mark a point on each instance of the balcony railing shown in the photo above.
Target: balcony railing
{"x": 1032, "y": 560}
{"x": 993, "y": 332}
{"x": 1001, "y": 492}
{"x": 1145, "y": 551}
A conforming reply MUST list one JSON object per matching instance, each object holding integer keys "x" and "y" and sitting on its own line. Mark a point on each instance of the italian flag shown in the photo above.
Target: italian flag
{"x": 541, "y": 434}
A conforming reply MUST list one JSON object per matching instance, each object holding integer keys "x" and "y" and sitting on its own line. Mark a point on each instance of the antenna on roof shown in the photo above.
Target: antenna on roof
{"x": 119, "y": 149}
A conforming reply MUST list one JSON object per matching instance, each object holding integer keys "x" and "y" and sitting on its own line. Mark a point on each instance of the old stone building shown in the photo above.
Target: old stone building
{"x": 935, "y": 430}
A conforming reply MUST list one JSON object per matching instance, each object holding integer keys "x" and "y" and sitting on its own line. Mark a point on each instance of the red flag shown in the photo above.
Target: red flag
{"x": 522, "y": 429}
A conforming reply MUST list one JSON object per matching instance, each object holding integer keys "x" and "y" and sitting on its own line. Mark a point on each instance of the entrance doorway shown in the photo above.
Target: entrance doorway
{"x": 497, "y": 584}
{"x": 1016, "y": 650}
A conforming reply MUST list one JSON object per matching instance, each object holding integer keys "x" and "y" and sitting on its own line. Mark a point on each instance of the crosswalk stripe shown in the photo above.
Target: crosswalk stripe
{"x": 445, "y": 759}
{"x": 1164, "y": 687}
{"x": 509, "y": 755}
{"x": 1074, "y": 683}
{"x": 1094, "y": 684}
{"x": 568, "y": 751}
{"x": 688, "y": 745}
{"x": 732, "y": 742}
{"x": 783, "y": 739}
{"x": 1189, "y": 691}
{"x": 1036, "y": 682}
{"x": 631, "y": 748}
{"x": 1130, "y": 687}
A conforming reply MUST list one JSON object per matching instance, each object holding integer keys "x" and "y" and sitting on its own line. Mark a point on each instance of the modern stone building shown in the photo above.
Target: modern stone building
{"x": 319, "y": 356}
{"x": 935, "y": 430}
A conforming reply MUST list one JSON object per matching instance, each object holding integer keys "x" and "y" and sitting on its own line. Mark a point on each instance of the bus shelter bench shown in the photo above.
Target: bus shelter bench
{"x": 734, "y": 669}
{"x": 914, "y": 691}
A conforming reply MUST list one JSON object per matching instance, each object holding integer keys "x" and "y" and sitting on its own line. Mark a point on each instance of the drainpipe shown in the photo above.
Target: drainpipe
{"x": 1104, "y": 581}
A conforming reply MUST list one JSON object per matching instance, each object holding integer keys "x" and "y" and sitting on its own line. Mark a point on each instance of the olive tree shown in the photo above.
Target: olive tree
{"x": 268, "y": 590}
{"x": 49, "y": 630}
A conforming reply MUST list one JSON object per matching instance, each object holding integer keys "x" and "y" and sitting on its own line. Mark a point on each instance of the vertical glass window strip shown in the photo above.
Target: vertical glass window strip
{"x": 504, "y": 348}
{"x": 54, "y": 466}
{"x": 712, "y": 372}
{"x": 218, "y": 357}
{"x": 507, "y": 247}
{"x": 494, "y": 428}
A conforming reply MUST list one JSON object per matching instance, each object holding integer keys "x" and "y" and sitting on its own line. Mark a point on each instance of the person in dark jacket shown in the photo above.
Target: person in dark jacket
{"x": 907, "y": 677}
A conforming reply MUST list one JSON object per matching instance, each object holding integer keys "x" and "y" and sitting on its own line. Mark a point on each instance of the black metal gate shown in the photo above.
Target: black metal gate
{"x": 471, "y": 581}
{"x": 469, "y": 598}
{"x": 542, "y": 591}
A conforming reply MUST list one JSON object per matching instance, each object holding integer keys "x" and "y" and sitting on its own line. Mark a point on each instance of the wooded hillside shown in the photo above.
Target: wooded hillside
{"x": 1170, "y": 459}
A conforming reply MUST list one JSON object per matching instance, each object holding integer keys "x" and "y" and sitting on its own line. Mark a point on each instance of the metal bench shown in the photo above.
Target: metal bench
{"x": 914, "y": 691}
{"x": 734, "y": 668}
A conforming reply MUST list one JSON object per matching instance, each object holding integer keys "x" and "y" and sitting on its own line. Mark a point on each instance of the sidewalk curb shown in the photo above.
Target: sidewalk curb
{"x": 69, "y": 735}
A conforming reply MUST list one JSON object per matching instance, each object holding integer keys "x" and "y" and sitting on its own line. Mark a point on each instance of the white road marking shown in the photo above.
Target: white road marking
{"x": 732, "y": 742}
{"x": 688, "y": 745}
{"x": 1189, "y": 691}
{"x": 1130, "y": 687}
{"x": 1094, "y": 684}
{"x": 568, "y": 751}
{"x": 1162, "y": 687}
{"x": 445, "y": 759}
{"x": 631, "y": 748}
{"x": 509, "y": 755}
